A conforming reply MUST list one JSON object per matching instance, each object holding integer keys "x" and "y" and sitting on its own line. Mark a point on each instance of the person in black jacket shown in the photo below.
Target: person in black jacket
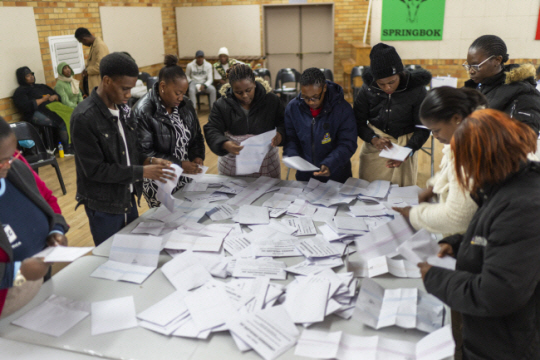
{"x": 321, "y": 128}
{"x": 247, "y": 107}
{"x": 109, "y": 167}
{"x": 27, "y": 225}
{"x": 509, "y": 88}
{"x": 386, "y": 111}
{"x": 496, "y": 282}
{"x": 31, "y": 99}
{"x": 168, "y": 126}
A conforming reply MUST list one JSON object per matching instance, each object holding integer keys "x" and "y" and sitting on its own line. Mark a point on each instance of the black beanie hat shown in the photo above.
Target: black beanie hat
{"x": 385, "y": 61}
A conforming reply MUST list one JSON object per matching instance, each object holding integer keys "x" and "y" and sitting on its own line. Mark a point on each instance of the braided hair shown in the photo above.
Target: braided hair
{"x": 312, "y": 76}
{"x": 492, "y": 45}
{"x": 171, "y": 71}
{"x": 239, "y": 72}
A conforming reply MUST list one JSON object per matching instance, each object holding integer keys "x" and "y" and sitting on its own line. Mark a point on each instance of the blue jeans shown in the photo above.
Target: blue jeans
{"x": 104, "y": 225}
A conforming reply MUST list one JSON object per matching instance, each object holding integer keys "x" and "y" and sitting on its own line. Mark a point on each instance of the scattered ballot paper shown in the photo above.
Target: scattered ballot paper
{"x": 396, "y": 152}
{"x": 400, "y": 268}
{"x": 132, "y": 258}
{"x": 250, "y": 159}
{"x": 62, "y": 253}
{"x": 270, "y": 332}
{"x": 247, "y": 268}
{"x": 378, "y": 307}
{"x": 297, "y": 163}
{"x": 113, "y": 315}
{"x": 337, "y": 345}
{"x": 54, "y": 316}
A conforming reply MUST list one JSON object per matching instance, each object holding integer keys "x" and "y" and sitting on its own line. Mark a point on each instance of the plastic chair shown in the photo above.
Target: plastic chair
{"x": 144, "y": 76}
{"x": 287, "y": 75}
{"x": 25, "y": 131}
{"x": 328, "y": 75}
{"x": 263, "y": 73}
{"x": 151, "y": 81}
{"x": 356, "y": 71}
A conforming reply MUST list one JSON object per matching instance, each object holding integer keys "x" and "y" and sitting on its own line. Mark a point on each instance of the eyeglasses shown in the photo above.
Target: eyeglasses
{"x": 10, "y": 159}
{"x": 314, "y": 98}
{"x": 475, "y": 67}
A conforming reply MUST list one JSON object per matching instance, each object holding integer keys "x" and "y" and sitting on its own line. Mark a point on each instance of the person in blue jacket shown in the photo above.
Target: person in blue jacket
{"x": 321, "y": 128}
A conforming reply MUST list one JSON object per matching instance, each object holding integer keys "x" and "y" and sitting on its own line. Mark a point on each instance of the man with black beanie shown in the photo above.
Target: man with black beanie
{"x": 386, "y": 111}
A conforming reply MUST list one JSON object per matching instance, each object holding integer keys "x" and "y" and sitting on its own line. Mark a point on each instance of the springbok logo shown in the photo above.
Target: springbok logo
{"x": 412, "y": 7}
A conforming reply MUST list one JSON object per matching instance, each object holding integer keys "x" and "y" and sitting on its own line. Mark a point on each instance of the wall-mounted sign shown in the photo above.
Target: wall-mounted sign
{"x": 412, "y": 20}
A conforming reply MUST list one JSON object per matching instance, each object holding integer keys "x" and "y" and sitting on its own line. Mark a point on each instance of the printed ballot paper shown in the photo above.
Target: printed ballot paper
{"x": 297, "y": 163}
{"x": 132, "y": 258}
{"x": 54, "y": 316}
{"x": 396, "y": 152}
{"x": 250, "y": 159}
{"x": 270, "y": 332}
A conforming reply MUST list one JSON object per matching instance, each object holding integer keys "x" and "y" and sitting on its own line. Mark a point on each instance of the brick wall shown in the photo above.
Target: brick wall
{"x": 54, "y": 18}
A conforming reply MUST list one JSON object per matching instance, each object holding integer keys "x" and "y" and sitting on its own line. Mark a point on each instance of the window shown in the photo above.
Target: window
{"x": 66, "y": 49}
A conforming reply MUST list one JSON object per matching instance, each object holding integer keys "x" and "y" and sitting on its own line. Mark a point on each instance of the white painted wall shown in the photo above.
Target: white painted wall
{"x": 513, "y": 20}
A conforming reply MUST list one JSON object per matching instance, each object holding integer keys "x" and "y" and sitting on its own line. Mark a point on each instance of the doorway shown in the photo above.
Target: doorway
{"x": 299, "y": 37}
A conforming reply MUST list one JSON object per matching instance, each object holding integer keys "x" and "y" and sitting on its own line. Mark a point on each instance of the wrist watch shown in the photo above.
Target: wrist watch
{"x": 19, "y": 279}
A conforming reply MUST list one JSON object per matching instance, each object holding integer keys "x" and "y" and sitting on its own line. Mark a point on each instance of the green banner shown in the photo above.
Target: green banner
{"x": 412, "y": 20}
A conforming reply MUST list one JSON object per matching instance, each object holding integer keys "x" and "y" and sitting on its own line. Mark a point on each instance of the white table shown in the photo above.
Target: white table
{"x": 138, "y": 343}
{"x": 74, "y": 282}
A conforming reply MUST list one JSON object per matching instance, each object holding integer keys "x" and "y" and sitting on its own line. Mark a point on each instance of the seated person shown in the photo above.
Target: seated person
{"x": 67, "y": 86}
{"x": 33, "y": 101}
{"x": 247, "y": 107}
{"x": 27, "y": 226}
{"x": 168, "y": 126}
{"x": 221, "y": 67}
{"x": 199, "y": 75}
{"x": 321, "y": 128}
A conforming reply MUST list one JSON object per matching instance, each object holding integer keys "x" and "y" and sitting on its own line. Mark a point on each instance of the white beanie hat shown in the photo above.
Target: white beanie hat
{"x": 223, "y": 51}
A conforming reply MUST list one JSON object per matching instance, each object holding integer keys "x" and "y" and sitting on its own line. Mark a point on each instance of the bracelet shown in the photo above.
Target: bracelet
{"x": 19, "y": 279}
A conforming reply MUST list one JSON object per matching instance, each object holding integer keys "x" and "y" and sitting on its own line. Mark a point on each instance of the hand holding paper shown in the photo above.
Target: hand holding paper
{"x": 396, "y": 152}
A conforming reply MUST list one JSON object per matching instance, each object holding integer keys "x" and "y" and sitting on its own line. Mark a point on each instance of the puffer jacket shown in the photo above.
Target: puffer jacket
{"x": 328, "y": 139}
{"x": 396, "y": 114}
{"x": 513, "y": 91}
{"x": 265, "y": 114}
{"x": 496, "y": 282}
{"x": 156, "y": 132}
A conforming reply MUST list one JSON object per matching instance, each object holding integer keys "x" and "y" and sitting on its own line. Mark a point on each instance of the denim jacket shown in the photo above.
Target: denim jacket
{"x": 103, "y": 176}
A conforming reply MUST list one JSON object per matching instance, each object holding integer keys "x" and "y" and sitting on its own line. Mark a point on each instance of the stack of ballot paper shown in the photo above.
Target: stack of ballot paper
{"x": 338, "y": 345}
{"x": 326, "y": 293}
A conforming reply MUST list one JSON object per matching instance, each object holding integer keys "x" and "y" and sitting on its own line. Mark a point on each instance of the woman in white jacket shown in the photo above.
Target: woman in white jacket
{"x": 442, "y": 111}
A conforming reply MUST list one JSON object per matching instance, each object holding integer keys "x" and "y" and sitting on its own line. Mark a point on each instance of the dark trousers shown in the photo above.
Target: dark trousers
{"x": 104, "y": 225}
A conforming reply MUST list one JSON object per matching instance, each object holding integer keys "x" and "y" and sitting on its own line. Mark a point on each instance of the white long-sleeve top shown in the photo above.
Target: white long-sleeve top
{"x": 455, "y": 209}
{"x": 201, "y": 74}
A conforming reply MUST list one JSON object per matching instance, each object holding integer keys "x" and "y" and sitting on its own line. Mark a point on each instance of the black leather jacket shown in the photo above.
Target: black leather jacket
{"x": 103, "y": 176}
{"x": 155, "y": 130}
